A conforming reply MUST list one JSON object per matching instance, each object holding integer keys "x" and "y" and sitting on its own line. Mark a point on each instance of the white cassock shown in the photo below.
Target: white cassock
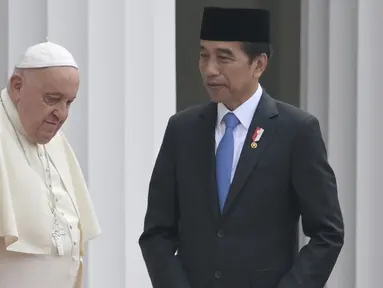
{"x": 29, "y": 254}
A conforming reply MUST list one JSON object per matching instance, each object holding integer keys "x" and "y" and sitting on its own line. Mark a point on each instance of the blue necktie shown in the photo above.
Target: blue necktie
{"x": 224, "y": 158}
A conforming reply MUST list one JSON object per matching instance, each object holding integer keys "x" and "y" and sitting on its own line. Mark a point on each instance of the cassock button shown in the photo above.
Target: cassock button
{"x": 218, "y": 274}
{"x": 220, "y": 234}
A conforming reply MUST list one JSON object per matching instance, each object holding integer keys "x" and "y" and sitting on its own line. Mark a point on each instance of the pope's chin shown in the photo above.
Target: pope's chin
{"x": 45, "y": 135}
{"x": 45, "y": 138}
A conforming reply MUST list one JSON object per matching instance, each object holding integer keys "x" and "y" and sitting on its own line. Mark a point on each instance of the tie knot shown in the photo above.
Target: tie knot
{"x": 231, "y": 120}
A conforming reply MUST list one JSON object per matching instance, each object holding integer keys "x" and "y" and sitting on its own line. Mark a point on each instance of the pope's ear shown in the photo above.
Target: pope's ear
{"x": 15, "y": 83}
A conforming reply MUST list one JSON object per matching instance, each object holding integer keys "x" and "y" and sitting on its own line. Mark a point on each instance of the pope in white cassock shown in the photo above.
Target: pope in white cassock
{"x": 46, "y": 214}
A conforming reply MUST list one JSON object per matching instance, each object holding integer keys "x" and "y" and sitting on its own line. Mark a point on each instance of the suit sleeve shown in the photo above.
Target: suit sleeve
{"x": 315, "y": 188}
{"x": 159, "y": 240}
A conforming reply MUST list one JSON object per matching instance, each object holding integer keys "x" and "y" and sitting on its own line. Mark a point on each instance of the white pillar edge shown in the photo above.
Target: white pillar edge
{"x": 342, "y": 123}
{"x": 4, "y": 45}
{"x": 314, "y": 60}
{"x": 106, "y": 141}
{"x": 369, "y": 212}
{"x": 151, "y": 100}
{"x": 314, "y": 66}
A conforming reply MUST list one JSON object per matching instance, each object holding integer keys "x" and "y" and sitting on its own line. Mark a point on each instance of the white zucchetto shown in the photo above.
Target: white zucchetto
{"x": 46, "y": 54}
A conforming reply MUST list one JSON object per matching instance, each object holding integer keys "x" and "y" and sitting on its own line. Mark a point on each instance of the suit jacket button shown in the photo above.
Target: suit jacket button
{"x": 220, "y": 234}
{"x": 218, "y": 274}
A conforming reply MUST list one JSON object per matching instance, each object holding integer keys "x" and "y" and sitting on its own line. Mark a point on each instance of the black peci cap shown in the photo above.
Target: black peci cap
{"x": 235, "y": 24}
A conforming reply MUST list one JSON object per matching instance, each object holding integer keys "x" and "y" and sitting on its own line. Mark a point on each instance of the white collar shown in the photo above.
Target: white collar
{"x": 12, "y": 111}
{"x": 244, "y": 112}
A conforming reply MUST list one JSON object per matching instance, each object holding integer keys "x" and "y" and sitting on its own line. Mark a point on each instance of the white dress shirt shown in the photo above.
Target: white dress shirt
{"x": 245, "y": 114}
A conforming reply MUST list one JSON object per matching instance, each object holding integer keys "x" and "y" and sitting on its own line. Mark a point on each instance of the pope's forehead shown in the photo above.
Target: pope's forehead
{"x": 51, "y": 75}
{"x": 64, "y": 71}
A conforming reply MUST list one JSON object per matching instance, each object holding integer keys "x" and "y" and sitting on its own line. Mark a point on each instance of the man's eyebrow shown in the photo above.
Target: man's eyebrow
{"x": 225, "y": 51}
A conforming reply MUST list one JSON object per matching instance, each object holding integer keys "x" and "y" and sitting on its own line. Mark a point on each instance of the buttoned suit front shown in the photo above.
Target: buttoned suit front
{"x": 253, "y": 243}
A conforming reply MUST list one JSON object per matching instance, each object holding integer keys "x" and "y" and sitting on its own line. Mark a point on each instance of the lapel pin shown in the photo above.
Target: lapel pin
{"x": 254, "y": 145}
{"x": 256, "y": 137}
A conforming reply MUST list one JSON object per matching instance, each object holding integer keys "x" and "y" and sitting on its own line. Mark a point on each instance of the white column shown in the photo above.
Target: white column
{"x": 369, "y": 145}
{"x": 314, "y": 64}
{"x": 4, "y": 43}
{"x": 131, "y": 96}
{"x": 126, "y": 54}
{"x": 150, "y": 100}
{"x": 328, "y": 82}
{"x": 164, "y": 72}
{"x": 342, "y": 122}
{"x": 314, "y": 77}
{"x": 107, "y": 147}
{"x": 347, "y": 101}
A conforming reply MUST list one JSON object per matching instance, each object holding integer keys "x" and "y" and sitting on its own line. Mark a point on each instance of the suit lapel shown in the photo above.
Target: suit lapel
{"x": 263, "y": 118}
{"x": 207, "y": 168}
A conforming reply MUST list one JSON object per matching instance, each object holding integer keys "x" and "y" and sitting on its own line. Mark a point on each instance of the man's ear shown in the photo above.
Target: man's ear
{"x": 259, "y": 65}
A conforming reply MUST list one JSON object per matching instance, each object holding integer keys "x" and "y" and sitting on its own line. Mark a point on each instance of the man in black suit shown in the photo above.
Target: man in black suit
{"x": 233, "y": 177}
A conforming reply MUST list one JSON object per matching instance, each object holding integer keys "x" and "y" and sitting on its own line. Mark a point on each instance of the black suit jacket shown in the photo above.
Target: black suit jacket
{"x": 254, "y": 242}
